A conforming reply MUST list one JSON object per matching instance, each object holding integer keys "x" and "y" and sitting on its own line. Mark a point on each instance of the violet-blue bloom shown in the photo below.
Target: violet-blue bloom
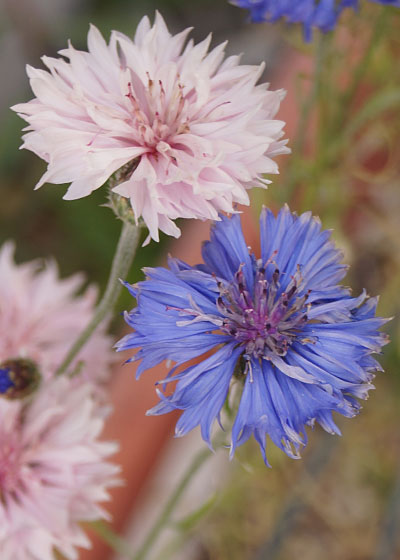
{"x": 321, "y": 14}
{"x": 281, "y": 326}
{"x": 5, "y": 380}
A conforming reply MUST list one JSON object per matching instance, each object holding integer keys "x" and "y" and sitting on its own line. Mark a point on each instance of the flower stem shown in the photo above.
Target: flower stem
{"x": 359, "y": 72}
{"x": 122, "y": 261}
{"x": 333, "y": 125}
{"x": 299, "y": 498}
{"x": 389, "y": 537}
{"x": 114, "y": 541}
{"x": 164, "y": 517}
{"x": 121, "y": 546}
{"x": 308, "y": 106}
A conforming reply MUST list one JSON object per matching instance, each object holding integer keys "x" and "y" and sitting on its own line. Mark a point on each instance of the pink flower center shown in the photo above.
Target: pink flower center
{"x": 158, "y": 118}
{"x": 10, "y": 463}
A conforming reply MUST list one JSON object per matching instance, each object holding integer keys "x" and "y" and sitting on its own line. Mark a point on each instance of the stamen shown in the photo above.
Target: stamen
{"x": 249, "y": 370}
{"x": 265, "y": 322}
{"x": 269, "y": 321}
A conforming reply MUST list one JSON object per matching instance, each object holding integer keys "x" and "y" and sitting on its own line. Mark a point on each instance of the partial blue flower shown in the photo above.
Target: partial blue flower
{"x": 388, "y": 2}
{"x": 281, "y": 326}
{"x": 321, "y": 14}
{"x": 355, "y": 3}
{"x": 5, "y": 380}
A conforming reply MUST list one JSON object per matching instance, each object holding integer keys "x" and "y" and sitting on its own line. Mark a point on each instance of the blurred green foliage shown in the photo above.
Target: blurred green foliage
{"x": 345, "y": 167}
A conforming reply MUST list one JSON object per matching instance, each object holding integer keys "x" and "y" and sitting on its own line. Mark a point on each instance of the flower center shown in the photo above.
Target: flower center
{"x": 158, "y": 117}
{"x": 19, "y": 377}
{"x": 266, "y": 321}
{"x": 10, "y": 463}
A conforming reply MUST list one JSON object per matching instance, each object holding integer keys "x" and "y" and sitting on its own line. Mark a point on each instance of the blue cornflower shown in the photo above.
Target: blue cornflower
{"x": 5, "y": 380}
{"x": 281, "y": 326}
{"x": 322, "y": 14}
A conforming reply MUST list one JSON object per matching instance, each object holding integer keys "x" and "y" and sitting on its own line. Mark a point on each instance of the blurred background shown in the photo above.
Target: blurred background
{"x": 342, "y": 501}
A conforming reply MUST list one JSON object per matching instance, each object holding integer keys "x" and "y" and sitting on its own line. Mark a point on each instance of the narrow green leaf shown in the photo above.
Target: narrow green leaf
{"x": 383, "y": 101}
{"x": 192, "y": 519}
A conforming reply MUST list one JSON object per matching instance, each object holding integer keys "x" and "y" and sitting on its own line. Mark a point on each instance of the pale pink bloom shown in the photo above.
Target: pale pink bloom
{"x": 41, "y": 316}
{"x": 54, "y": 471}
{"x": 203, "y": 131}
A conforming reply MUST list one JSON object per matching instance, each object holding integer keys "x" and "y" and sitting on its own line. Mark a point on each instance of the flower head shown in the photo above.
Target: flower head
{"x": 40, "y": 316}
{"x": 197, "y": 129}
{"x": 280, "y": 325}
{"x": 54, "y": 471}
{"x": 18, "y": 378}
{"x": 321, "y": 14}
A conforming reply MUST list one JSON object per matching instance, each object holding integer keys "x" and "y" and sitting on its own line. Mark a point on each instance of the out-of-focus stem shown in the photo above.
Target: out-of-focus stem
{"x": 121, "y": 546}
{"x": 376, "y": 36}
{"x": 296, "y": 503}
{"x": 304, "y": 119}
{"x": 117, "y": 543}
{"x": 121, "y": 264}
{"x": 389, "y": 538}
{"x": 165, "y": 515}
{"x": 330, "y": 141}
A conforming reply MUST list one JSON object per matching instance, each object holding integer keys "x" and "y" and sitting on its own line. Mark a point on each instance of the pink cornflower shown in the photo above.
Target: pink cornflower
{"x": 54, "y": 471}
{"x": 197, "y": 127}
{"x": 41, "y": 315}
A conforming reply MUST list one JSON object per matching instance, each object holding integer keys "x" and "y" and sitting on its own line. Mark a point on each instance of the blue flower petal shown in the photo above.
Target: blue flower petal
{"x": 320, "y": 14}
{"x": 227, "y": 250}
{"x": 298, "y": 242}
{"x": 201, "y": 392}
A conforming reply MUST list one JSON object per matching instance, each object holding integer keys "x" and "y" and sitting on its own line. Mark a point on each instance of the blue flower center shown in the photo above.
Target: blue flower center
{"x": 267, "y": 320}
{"x": 5, "y": 380}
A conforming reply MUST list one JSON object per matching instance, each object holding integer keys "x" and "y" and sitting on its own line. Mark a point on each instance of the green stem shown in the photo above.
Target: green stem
{"x": 164, "y": 517}
{"x": 359, "y": 72}
{"x": 297, "y": 501}
{"x": 304, "y": 120}
{"x": 332, "y": 128}
{"x": 389, "y": 537}
{"x": 121, "y": 264}
{"x": 120, "y": 545}
{"x": 346, "y": 126}
{"x": 117, "y": 543}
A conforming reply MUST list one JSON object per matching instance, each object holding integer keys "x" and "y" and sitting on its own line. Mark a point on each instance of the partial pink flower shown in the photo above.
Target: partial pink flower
{"x": 202, "y": 131}
{"x": 41, "y": 316}
{"x": 54, "y": 471}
